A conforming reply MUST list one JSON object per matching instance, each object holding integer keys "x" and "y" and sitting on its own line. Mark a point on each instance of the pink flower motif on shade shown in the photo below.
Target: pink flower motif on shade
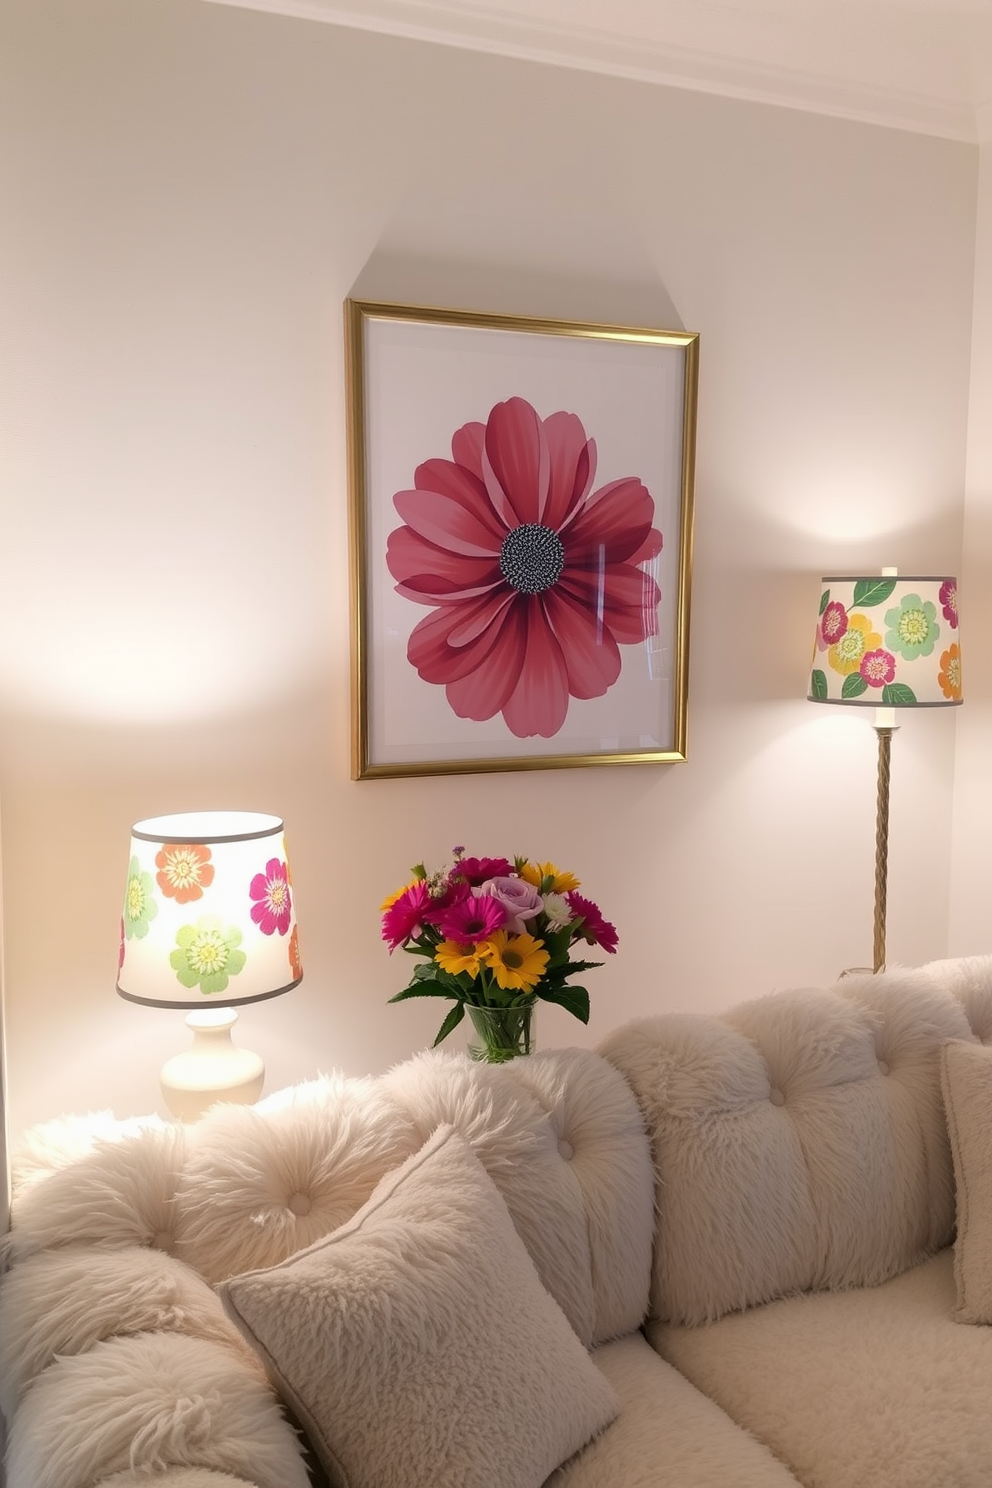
{"x": 519, "y": 899}
{"x": 949, "y": 601}
{"x": 878, "y": 668}
{"x": 273, "y": 905}
{"x": 472, "y": 920}
{"x": 595, "y": 929}
{"x": 833, "y": 624}
{"x": 534, "y": 578}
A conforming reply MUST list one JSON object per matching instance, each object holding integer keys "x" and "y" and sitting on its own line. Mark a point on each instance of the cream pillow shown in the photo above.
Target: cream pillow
{"x": 966, "y": 1077}
{"x": 416, "y": 1343}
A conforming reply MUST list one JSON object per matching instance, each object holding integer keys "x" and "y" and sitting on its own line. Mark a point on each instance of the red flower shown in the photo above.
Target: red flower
{"x": 949, "y": 602}
{"x": 476, "y": 871}
{"x": 595, "y": 929}
{"x": 533, "y": 578}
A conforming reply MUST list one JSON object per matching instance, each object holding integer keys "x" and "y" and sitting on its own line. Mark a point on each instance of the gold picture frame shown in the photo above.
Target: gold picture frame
{"x": 521, "y": 496}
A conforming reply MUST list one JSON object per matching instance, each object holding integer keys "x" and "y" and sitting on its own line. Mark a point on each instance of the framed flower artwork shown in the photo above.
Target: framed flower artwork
{"x": 521, "y": 535}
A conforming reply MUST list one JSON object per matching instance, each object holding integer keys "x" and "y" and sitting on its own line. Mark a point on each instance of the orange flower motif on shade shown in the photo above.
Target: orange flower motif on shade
{"x": 949, "y": 675}
{"x": 294, "y": 953}
{"x": 184, "y": 870}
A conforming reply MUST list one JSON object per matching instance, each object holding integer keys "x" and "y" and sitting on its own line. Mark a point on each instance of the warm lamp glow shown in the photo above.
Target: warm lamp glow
{"x": 209, "y": 923}
{"x": 887, "y": 642}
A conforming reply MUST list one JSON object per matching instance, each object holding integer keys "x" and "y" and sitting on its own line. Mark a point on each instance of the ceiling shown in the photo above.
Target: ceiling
{"x": 924, "y": 65}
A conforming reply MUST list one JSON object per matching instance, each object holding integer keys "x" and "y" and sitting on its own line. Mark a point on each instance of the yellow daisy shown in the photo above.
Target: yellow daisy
{"x": 518, "y": 962}
{"x": 453, "y": 957}
{"x": 399, "y": 893}
{"x": 547, "y": 878}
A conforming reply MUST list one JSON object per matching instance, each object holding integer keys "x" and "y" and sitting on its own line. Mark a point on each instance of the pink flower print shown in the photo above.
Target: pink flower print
{"x": 878, "y": 668}
{"x": 273, "y": 905}
{"x": 948, "y": 597}
{"x": 833, "y": 624}
{"x": 533, "y": 578}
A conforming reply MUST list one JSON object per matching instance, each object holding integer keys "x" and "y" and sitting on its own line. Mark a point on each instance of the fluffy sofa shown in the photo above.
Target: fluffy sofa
{"x": 747, "y": 1250}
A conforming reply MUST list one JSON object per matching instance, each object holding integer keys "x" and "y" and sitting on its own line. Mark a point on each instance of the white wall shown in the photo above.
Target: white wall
{"x": 195, "y": 190}
{"x": 971, "y": 899}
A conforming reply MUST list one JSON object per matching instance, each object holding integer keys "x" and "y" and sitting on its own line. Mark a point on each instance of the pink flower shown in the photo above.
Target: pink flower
{"x": 273, "y": 905}
{"x": 949, "y": 600}
{"x": 520, "y": 900}
{"x": 533, "y": 578}
{"x": 476, "y": 870}
{"x": 833, "y": 624}
{"x": 878, "y": 668}
{"x": 594, "y": 928}
{"x": 474, "y": 919}
{"x": 406, "y": 914}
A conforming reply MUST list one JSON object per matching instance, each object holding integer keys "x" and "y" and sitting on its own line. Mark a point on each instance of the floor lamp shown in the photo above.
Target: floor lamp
{"x": 886, "y": 642}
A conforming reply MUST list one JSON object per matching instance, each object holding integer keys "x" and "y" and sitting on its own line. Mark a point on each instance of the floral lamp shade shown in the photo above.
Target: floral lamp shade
{"x": 208, "y": 918}
{"x": 886, "y": 641}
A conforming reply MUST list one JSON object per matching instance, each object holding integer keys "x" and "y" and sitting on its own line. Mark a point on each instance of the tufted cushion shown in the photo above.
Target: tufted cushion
{"x": 95, "y": 1181}
{"x": 263, "y": 1181}
{"x": 64, "y": 1300}
{"x": 560, "y": 1135}
{"x": 799, "y": 1140}
{"x": 150, "y": 1403}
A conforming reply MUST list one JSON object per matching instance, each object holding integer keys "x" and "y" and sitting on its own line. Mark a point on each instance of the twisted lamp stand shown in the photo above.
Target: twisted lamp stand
{"x": 884, "y": 730}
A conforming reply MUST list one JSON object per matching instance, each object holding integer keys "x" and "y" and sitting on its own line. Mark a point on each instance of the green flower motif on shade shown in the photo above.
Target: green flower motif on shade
{"x": 139, "y": 901}
{"x": 207, "y": 954}
{"x": 912, "y": 629}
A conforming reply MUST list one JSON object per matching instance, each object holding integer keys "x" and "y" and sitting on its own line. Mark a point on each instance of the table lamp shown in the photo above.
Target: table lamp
{"x": 886, "y": 642}
{"x": 208, "y": 924}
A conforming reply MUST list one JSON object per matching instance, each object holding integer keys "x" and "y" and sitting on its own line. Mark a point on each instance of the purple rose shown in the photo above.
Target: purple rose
{"x": 520, "y": 900}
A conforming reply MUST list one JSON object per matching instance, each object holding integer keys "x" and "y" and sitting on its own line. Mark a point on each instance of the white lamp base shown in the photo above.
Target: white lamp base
{"x": 213, "y": 1068}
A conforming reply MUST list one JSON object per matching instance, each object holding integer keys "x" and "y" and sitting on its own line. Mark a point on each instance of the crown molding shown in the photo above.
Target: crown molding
{"x": 642, "y": 59}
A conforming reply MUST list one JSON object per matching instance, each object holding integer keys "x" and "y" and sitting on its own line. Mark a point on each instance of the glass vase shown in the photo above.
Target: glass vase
{"x": 501, "y": 1033}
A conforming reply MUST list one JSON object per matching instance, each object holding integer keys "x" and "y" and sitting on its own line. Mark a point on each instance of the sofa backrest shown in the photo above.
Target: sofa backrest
{"x": 559, "y": 1133}
{"x": 799, "y": 1140}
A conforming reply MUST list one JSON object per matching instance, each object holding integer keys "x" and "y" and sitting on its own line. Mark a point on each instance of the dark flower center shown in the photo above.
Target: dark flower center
{"x": 531, "y": 558}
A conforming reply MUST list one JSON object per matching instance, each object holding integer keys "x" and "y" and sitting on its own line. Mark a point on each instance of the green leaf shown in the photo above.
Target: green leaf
{"x": 455, "y": 1016}
{"x": 897, "y": 694}
{"x": 854, "y": 686}
{"x": 824, "y": 600}
{"x": 427, "y": 989}
{"x": 575, "y": 1000}
{"x": 818, "y": 685}
{"x": 868, "y": 592}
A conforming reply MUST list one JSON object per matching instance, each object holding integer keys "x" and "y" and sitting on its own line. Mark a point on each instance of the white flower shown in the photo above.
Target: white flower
{"x": 558, "y": 911}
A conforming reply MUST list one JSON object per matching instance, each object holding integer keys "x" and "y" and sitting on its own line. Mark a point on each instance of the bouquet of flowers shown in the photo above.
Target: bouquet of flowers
{"x": 495, "y": 936}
